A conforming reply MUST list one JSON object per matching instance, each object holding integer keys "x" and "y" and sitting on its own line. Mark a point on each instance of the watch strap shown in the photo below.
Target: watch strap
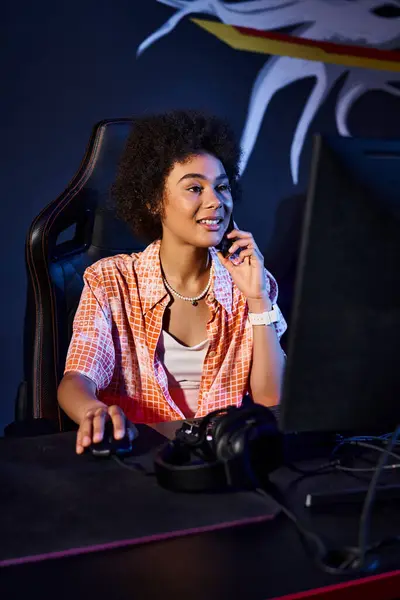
{"x": 266, "y": 318}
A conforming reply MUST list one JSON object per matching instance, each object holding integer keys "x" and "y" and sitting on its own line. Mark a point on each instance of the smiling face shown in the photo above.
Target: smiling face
{"x": 198, "y": 202}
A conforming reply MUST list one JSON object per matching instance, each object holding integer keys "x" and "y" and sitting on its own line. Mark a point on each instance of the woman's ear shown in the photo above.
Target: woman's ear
{"x": 153, "y": 210}
{"x": 157, "y": 208}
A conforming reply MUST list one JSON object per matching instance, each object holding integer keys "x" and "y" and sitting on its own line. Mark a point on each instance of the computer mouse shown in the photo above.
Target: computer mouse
{"x": 109, "y": 445}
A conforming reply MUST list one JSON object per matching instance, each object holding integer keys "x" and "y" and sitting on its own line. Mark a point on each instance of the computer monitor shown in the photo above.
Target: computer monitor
{"x": 343, "y": 364}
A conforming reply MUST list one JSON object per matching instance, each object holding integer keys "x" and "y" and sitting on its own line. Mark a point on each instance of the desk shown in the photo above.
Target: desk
{"x": 261, "y": 561}
{"x": 167, "y": 429}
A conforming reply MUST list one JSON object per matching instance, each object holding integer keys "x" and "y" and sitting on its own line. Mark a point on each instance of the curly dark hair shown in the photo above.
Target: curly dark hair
{"x": 155, "y": 144}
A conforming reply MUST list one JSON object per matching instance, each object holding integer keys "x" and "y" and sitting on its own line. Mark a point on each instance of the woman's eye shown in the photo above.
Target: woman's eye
{"x": 224, "y": 187}
{"x": 195, "y": 188}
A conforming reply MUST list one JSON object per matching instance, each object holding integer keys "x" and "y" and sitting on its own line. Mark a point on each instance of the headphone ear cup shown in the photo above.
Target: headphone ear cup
{"x": 209, "y": 423}
{"x": 245, "y": 430}
{"x": 230, "y": 445}
{"x": 174, "y": 453}
{"x": 218, "y": 427}
{"x": 235, "y": 420}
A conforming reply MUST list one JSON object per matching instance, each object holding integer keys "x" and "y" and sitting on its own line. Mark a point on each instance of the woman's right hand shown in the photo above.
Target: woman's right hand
{"x": 91, "y": 428}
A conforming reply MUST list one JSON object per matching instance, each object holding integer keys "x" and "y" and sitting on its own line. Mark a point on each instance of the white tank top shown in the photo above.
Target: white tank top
{"x": 183, "y": 366}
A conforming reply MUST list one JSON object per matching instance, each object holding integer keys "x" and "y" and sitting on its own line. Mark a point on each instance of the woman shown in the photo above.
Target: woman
{"x": 167, "y": 333}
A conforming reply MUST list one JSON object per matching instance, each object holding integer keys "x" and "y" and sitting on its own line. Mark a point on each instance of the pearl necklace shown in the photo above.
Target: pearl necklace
{"x": 194, "y": 300}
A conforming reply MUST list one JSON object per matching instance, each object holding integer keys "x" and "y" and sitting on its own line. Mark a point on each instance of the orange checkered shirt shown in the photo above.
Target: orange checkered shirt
{"x": 118, "y": 324}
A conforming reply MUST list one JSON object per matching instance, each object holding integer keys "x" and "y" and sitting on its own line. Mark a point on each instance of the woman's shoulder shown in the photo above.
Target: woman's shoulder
{"x": 110, "y": 267}
{"x": 127, "y": 267}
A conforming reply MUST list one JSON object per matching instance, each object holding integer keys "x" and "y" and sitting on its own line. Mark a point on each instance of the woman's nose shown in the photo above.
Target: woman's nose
{"x": 213, "y": 199}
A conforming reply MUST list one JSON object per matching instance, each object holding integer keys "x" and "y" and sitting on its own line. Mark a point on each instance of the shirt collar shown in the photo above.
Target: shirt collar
{"x": 152, "y": 289}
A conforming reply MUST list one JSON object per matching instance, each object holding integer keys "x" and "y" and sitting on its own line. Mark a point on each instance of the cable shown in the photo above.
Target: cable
{"x": 394, "y": 539}
{"x": 369, "y": 499}
{"x": 365, "y": 469}
{"x": 363, "y": 441}
{"x": 136, "y": 467}
{"x": 334, "y": 464}
{"x": 377, "y": 448}
{"x": 357, "y": 442}
{"x": 351, "y": 559}
{"x": 306, "y": 533}
{"x": 366, "y": 438}
{"x": 324, "y": 468}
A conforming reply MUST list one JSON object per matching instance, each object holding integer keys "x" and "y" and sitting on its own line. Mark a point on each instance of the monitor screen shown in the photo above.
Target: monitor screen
{"x": 343, "y": 364}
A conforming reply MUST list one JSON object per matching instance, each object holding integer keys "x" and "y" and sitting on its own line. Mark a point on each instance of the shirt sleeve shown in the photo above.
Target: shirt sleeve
{"x": 91, "y": 350}
{"x": 272, "y": 287}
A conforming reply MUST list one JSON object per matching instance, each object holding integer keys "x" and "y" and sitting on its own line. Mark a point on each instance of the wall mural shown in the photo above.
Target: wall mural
{"x": 328, "y": 38}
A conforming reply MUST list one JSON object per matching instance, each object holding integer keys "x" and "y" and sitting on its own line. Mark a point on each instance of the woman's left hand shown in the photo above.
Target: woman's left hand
{"x": 247, "y": 270}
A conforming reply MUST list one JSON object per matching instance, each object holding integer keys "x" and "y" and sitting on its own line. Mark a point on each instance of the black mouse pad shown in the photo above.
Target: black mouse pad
{"x": 55, "y": 503}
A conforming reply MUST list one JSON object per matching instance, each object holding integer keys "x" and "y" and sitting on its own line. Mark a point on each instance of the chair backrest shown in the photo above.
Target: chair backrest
{"x": 71, "y": 233}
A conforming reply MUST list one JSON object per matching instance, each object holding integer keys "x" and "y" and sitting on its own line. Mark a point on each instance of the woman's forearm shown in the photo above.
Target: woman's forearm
{"x": 76, "y": 395}
{"x": 268, "y": 359}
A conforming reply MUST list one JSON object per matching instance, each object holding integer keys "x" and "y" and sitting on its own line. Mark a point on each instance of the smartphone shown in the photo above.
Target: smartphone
{"x": 226, "y": 243}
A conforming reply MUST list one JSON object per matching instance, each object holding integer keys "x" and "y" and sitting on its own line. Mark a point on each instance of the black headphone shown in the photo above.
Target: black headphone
{"x": 229, "y": 448}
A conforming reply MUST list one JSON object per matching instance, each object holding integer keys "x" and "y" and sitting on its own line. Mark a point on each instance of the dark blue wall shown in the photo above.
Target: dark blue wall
{"x": 68, "y": 66}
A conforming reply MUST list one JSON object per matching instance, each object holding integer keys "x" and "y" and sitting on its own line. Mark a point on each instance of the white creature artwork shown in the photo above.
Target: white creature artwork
{"x": 349, "y": 22}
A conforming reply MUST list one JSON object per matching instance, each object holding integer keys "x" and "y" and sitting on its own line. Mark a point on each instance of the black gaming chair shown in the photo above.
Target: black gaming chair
{"x": 71, "y": 233}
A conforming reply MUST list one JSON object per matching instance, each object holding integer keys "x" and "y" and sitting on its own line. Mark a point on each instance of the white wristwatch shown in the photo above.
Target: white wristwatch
{"x": 265, "y": 318}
